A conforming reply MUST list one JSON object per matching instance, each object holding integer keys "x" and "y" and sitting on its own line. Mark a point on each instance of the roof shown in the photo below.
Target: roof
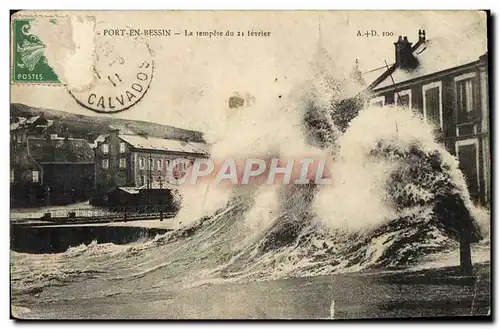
{"x": 98, "y": 139}
{"x": 372, "y": 75}
{"x": 153, "y": 186}
{"x": 101, "y": 137}
{"x": 434, "y": 55}
{"x": 129, "y": 190}
{"x": 22, "y": 122}
{"x": 158, "y": 186}
{"x": 60, "y": 150}
{"x": 32, "y": 119}
{"x": 19, "y": 157}
{"x": 161, "y": 144}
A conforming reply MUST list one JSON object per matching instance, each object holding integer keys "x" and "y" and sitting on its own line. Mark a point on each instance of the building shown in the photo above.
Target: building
{"x": 145, "y": 198}
{"x": 139, "y": 160}
{"x": 446, "y": 81}
{"x": 51, "y": 170}
{"x": 22, "y": 127}
{"x": 97, "y": 140}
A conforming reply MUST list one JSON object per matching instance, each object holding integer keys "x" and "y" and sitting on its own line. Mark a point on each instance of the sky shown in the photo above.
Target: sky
{"x": 196, "y": 74}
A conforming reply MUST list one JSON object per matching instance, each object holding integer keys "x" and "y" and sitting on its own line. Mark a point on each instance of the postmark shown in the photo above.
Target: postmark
{"x": 122, "y": 73}
{"x": 29, "y": 64}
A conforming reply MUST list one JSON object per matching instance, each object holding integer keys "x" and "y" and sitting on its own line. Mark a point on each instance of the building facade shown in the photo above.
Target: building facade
{"x": 139, "y": 160}
{"x": 51, "y": 170}
{"x": 449, "y": 87}
{"x": 22, "y": 127}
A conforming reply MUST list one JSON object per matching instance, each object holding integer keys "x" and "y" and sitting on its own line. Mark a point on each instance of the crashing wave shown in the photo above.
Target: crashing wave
{"x": 397, "y": 196}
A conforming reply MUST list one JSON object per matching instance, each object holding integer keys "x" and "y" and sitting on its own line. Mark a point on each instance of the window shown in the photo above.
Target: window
{"x": 141, "y": 163}
{"x": 159, "y": 164}
{"x": 123, "y": 163}
{"x": 433, "y": 104}
{"x": 142, "y": 180}
{"x": 465, "y": 86}
{"x": 35, "y": 175}
{"x": 105, "y": 163}
{"x": 403, "y": 98}
{"x": 122, "y": 147}
{"x": 169, "y": 170}
{"x": 377, "y": 101}
{"x": 105, "y": 148}
{"x": 186, "y": 163}
{"x": 12, "y": 176}
{"x": 150, "y": 163}
{"x": 468, "y": 162}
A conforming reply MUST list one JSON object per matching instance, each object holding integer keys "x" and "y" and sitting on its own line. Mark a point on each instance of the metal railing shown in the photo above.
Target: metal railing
{"x": 91, "y": 215}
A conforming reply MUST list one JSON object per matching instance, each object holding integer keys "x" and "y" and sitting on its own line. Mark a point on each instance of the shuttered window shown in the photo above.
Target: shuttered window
{"x": 433, "y": 106}
{"x": 468, "y": 159}
{"x": 465, "y": 100}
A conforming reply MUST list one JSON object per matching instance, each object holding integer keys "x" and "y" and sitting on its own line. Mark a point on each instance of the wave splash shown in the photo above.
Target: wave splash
{"x": 397, "y": 196}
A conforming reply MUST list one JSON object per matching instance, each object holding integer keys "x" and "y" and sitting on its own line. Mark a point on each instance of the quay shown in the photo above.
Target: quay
{"x": 56, "y": 233}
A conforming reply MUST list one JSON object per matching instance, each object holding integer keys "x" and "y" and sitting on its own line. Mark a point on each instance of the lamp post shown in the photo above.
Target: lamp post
{"x": 148, "y": 186}
{"x": 161, "y": 200}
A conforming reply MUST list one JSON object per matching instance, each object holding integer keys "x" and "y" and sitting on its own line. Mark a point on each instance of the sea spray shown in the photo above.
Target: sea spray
{"x": 260, "y": 217}
{"x": 198, "y": 201}
{"x": 357, "y": 198}
{"x": 261, "y": 232}
{"x": 272, "y": 127}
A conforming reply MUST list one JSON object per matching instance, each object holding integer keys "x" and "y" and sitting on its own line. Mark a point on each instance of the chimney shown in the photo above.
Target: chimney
{"x": 113, "y": 132}
{"x": 421, "y": 36}
{"x": 404, "y": 54}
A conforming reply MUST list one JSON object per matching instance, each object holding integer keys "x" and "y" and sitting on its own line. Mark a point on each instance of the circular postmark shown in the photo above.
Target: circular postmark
{"x": 122, "y": 71}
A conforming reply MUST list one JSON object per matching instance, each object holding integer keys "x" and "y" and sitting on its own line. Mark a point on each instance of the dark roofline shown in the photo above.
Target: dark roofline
{"x": 58, "y": 138}
{"x": 431, "y": 76}
{"x": 66, "y": 162}
{"x": 137, "y": 149}
{"x": 391, "y": 69}
{"x": 381, "y": 78}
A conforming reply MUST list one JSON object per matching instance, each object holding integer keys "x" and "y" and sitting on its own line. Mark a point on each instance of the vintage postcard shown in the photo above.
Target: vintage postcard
{"x": 250, "y": 165}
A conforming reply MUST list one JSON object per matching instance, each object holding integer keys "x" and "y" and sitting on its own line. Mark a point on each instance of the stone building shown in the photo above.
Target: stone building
{"x": 139, "y": 160}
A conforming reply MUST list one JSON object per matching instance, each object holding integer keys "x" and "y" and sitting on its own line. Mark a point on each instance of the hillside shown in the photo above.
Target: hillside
{"x": 89, "y": 127}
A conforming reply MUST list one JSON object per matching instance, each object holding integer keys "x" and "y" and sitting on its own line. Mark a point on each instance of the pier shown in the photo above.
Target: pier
{"x": 59, "y": 229}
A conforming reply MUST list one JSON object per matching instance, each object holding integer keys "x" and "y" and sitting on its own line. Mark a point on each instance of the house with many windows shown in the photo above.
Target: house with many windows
{"x": 446, "y": 81}
{"x": 123, "y": 160}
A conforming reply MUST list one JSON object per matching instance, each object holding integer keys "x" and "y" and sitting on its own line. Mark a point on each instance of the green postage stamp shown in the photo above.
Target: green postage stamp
{"x": 29, "y": 64}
